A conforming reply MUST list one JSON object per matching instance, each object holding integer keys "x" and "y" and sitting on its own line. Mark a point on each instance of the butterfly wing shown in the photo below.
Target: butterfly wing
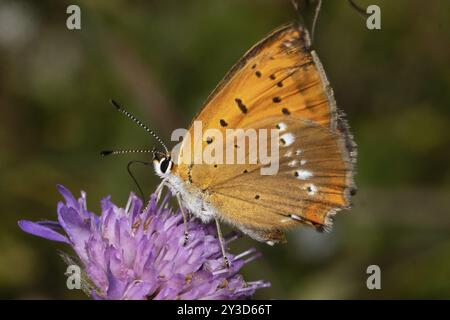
{"x": 279, "y": 80}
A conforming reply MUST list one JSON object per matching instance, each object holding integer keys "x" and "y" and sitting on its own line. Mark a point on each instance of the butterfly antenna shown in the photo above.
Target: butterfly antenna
{"x": 105, "y": 153}
{"x": 139, "y": 123}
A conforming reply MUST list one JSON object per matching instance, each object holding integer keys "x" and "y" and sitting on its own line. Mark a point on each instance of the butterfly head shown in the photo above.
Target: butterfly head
{"x": 162, "y": 162}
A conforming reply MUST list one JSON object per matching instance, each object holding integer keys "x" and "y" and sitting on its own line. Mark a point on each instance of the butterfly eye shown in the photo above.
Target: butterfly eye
{"x": 165, "y": 165}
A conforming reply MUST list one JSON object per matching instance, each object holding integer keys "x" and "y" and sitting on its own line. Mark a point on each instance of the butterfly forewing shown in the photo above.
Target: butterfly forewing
{"x": 278, "y": 76}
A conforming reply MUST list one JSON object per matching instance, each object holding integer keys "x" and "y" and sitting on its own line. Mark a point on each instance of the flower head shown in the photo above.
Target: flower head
{"x": 130, "y": 253}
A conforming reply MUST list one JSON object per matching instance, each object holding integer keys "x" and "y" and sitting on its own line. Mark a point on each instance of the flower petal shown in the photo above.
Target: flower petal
{"x": 77, "y": 229}
{"x": 41, "y": 230}
{"x": 70, "y": 199}
{"x": 139, "y": 290}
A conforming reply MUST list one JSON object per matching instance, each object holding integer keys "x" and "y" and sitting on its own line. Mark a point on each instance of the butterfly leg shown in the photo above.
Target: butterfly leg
{"x": 183, "y": 213}
{"x": 222, "y": 243}
{"x": 159, "y": 190}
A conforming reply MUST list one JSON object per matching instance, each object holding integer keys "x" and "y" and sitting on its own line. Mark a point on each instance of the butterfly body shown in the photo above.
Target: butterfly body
{"x": 278, "y": 85}
{"x": 193, "y": 199}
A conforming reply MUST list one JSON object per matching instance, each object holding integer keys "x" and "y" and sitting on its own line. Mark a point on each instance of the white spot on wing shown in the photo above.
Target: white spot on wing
{"x": 292, "y": 163}
{"x": 302, "y": 162}
{"x": 288, "y": 154}
{"x": 312, "y": 189}
{"x": 295, "y": 217}
{"x": 282, "y": 126}
{"x": 288, "y": 139}
{"x": 303, "y": 174}
{"x": 287, "y": 44}
{"x": 298, "y": 152}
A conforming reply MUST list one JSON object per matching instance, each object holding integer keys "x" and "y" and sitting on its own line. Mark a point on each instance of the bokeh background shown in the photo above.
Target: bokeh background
{"x": 161, "y": 59}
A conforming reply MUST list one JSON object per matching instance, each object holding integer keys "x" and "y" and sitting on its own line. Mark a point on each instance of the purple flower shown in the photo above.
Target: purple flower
{"x": 129, "y": 254}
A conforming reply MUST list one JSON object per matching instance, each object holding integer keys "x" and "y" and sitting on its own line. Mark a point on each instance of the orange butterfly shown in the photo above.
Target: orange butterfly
{"x": 279, "y": 84}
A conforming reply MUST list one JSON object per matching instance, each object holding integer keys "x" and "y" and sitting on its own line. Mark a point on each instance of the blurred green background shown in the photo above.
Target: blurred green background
{"x": 161, "y": 59}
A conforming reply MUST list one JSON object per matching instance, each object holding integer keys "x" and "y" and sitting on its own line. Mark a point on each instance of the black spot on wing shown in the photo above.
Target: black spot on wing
{"x": 241, "y": 105}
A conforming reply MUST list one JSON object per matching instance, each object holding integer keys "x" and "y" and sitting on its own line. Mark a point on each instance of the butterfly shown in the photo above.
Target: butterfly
{"x": 279, "y": 84}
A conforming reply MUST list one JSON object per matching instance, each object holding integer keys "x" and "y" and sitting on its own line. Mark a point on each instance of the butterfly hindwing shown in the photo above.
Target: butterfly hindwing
{"x": 314, "y": 180}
